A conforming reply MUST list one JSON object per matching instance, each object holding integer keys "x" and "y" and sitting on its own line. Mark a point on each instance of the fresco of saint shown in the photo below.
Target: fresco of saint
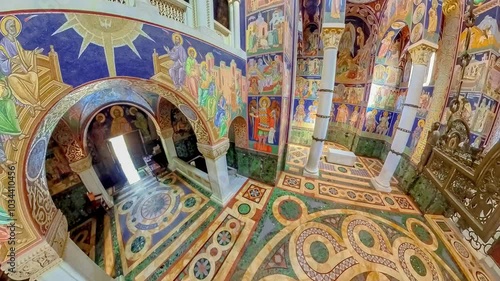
{"x": 9, "y": 124}
{"x": 19, "y": 65}
{"x": 179, "y": 56}
{"x": 120, "y": 124}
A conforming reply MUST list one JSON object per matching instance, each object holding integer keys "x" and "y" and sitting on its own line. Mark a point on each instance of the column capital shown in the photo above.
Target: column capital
{"x": 44, "y": 256}
{"x": 331, "y": 37}
{"x": 214, "y": 152}
{"x": 421, "y": 53}
{"x": 81, "y": 165}
{"x": 165, "y": 133}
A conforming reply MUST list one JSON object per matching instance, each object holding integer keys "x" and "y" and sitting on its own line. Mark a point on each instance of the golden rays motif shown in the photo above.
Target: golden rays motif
{"x": 106, "y": 32}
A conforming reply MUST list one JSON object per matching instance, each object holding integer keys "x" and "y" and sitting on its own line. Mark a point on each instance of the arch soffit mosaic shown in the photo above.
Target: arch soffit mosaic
{"x": 36, "y": 202}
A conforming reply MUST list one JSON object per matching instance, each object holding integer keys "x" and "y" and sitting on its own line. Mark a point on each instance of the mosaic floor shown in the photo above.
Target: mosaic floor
{"x": 357, "y": 176}
{"x": 301, "y": 229}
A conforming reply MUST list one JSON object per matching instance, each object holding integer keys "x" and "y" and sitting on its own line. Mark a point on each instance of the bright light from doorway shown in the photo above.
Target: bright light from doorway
{"x": 121, "y": 152}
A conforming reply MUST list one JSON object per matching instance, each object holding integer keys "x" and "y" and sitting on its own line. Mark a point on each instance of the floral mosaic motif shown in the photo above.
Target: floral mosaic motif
{"x": 202, "y": 268}
{"x": 224, "y": 238}
{"x": 291, "y": 182}
{"x": 254, "y": 193}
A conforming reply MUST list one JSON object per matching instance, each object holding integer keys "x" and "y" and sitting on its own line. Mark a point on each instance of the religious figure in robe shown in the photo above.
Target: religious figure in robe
{"x": 120, "y": 124}
{"x": 19, "y": 65}
{"x": 354, "y": 117}
{"x": 385, "y": 44}
{"x": 221, "y": 116}
{"x": 192, "y": 73}
{"x": 433, "y": 19}
{"x": 300, "y": 112}
{"x": 179, "y": 56}
{"x": 371, "y": 123}
{"x": 9, "y": 124}
{"x": 415, "y": 136}
{"x": 141, "y": 123}
{"x": 346, "y": 49}
{"x": 342, "y": 114}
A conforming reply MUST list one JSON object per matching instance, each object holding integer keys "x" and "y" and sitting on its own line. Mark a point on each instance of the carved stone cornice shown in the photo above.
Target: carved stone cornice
{"x": 449, "y": 6}
{"x": 166, "y": 133}
{"x": 214, "y": 152}
{"x": 421, "y": 54}
{"x": 331, "y": 37}
{"x": 81, "y": 165}
{"x": 39, "y": 259}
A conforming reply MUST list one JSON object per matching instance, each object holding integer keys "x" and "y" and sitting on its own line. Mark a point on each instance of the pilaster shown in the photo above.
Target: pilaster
{"x": 215, "y": 158}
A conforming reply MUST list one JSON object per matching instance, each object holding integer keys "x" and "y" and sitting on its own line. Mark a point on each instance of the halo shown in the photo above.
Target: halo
{"x": 421, "y": 122}
{"x": 3, "y": 23}
{"x": 375, "y": 111}
{"x": 191, "y": 49}
{"x": 100, "y": 116}
{"x": 177, "y": 35}
{"x": 265, "y": 99}
{"x": 133, "y": 111}
{"x": 111, "y": 112}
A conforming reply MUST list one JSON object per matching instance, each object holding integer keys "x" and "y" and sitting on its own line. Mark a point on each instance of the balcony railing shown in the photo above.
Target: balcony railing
{"x": 173, "y": 9}
{"x": 185, "y": 12}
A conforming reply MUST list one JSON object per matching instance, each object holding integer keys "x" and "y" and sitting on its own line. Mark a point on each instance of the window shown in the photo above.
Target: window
{"x": 430, "y": 70}
{"x": 221, "y": 12}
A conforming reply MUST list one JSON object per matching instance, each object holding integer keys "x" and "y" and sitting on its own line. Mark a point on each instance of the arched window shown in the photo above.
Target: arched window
{"x": 221, "y": 12}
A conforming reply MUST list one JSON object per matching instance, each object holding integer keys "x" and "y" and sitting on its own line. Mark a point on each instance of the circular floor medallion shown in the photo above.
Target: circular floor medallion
{"x": 244, "y": 209}
{"x": 366, "y": 238}
{"x": 319, "y": 252}
{"x": 418, "y": 265}
{"x": 155, "y": 206}
{"x": 290, "y": 210}
{"x": 224, "y": 238}
{"x": 309, "y": 185}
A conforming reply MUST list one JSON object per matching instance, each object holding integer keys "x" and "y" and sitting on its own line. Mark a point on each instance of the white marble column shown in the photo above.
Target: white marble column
{"x": 167, "y": 141}
{"x": 235, "y": 23}
{"x": 87, "y": 174}
{"x": 215, "y": 158}
{"x": 331, "y": 38}
{"x": 420, "y": 55}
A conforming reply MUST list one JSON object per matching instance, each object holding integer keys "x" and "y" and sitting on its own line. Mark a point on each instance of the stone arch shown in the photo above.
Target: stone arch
{"x": 240, "y": 130}
{"x": 38, "y": 211}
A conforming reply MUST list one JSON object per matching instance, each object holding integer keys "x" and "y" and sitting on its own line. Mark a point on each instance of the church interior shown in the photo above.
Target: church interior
{"x": 250, "y": 140}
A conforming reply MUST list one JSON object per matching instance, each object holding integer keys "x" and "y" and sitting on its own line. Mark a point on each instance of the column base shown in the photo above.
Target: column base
{"x": 120, "y": 278}
{"x": 309, "y": 174}
{"x": 226, "y": 199}
{"x": 380, "y": 186}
